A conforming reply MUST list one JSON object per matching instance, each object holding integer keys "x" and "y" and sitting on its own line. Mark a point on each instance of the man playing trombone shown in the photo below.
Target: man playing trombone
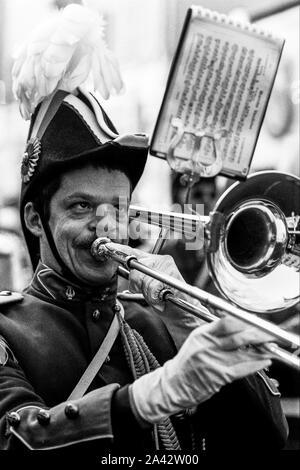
{"x": 161, "y": 379}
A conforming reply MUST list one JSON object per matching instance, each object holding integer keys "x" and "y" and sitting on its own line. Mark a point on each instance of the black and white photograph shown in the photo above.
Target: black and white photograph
{"x": 149, "y": 230}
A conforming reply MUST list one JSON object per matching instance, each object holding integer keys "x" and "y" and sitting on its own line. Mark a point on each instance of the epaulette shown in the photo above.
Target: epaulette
{"x": 8, "y": 297}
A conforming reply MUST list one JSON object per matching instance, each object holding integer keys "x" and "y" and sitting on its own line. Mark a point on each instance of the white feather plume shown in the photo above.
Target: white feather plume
{"x": 65, "y": 52}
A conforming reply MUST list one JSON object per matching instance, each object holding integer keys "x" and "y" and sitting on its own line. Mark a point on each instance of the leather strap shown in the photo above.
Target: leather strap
{"x": 100, "y": 356}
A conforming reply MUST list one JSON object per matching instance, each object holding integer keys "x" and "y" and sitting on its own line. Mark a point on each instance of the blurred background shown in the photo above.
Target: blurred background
{"x": 143, "y": 35}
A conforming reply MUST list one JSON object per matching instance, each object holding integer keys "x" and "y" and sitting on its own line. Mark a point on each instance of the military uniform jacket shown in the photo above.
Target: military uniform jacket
{"x": 48, "y": 340}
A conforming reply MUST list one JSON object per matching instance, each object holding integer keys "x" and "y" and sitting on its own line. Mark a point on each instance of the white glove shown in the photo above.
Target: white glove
{"x": 211, "y": 357}
{"x": 178, "y": 322}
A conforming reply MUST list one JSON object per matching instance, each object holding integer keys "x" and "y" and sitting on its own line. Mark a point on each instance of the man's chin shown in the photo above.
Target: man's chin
{"x": 96, "y": 274}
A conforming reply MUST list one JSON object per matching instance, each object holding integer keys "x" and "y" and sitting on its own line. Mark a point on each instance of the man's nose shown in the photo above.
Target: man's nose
{"x": 105, "y": 224}
{"x": 101, "y": 216}
{"x": 92, "y": 223}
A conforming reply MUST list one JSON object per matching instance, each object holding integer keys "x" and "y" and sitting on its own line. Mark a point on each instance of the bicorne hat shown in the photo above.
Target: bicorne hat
{"x": 68, "y": 126}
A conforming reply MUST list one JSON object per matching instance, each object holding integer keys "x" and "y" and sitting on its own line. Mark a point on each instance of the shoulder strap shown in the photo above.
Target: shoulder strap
{"x": 98, "y": 359}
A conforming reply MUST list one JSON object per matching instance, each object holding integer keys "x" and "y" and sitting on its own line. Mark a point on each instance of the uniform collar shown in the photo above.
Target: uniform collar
{"x": 57, "y": 288}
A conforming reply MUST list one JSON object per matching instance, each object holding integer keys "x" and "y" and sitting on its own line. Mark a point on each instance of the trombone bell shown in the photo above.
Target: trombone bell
{"x": 255, "y": 238}
{"x": 251, "y": 239}
{"x": 256, "y": 264}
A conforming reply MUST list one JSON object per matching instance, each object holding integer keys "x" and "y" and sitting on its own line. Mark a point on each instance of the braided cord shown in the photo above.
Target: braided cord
{"x": 141, "y": 361}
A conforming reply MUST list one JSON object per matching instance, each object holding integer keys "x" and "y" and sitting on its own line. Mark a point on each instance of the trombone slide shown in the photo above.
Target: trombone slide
{"x": 104, "y": 249}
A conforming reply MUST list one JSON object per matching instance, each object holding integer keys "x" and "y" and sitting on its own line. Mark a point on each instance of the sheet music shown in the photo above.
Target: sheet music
{"x": 222, "y": 81}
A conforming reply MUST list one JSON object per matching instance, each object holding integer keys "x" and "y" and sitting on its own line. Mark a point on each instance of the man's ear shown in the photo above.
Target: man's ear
{"x": 33, "y": 220}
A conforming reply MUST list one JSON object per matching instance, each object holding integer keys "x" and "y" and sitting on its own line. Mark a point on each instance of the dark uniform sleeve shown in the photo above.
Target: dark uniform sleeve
{"x": 25, "y": 418}
{"x": 245, "y": 414}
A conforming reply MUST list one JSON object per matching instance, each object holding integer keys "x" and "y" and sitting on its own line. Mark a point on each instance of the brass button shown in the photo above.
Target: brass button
{"x": 13, "y": 418}
{"x": 96, "y": 315}
{"x": 43, "y": 416}
{"x": 117, "y": 308}
{"x": 71, "y": 411}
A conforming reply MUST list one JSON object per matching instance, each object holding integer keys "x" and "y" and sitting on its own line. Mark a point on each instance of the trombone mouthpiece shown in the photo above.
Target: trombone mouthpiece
{"x": 99, "y": 250}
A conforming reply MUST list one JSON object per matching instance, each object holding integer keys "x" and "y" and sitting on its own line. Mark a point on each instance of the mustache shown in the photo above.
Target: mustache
{"x": 87, "y": 242}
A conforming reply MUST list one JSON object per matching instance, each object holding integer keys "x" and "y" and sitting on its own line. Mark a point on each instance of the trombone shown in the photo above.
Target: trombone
{"x": 251, "y": 242}
{"x": 103, "y": 248}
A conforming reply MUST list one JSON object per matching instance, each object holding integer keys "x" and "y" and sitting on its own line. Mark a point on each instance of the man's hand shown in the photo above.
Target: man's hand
{"x": 148, "y": 286}
{"x": 179, "y": 322}
{"x": 212, "y": 356}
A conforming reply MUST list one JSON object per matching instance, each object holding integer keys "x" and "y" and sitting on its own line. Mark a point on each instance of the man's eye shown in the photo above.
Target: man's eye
{"x": 81, "y": 206}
